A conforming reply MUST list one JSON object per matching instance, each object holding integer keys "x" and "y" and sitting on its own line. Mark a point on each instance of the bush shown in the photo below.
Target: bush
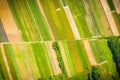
{"x": 55, "y": 46}
{"x": 94, "y": 75}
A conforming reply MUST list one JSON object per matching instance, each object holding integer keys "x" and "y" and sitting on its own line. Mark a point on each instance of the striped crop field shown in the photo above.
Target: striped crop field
{"x": 59, "y": 40}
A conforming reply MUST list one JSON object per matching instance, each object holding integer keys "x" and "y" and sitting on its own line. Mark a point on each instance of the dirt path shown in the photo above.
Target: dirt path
{"x": 42, "y": 11}
{"x": 104, "y": 18}
{"x": 110, "y": 17}
{"x": 6, "y": 62}
{"x": 65, "y": 59}
{"x": 53, "y": 58}
{"x": 71, "y": 21}
{"x": 89, "y": 51}
{"x": 9, "y": 23}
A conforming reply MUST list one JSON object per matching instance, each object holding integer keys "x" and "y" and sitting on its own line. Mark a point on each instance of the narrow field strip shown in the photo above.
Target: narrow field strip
{"x": 65, "y": 59}
{"x": 6, "y": 63}
{"x": 53, "y": 56}
{"x": 43, "y": 13}
{"x": 8, "y": 22}
{"x": 89, "y": 51}
{"x": 72, "y": 22}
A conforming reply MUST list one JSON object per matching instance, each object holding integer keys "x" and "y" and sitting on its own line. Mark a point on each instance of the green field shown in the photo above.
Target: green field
{"x": 32, "y": 60}
{"x": 29, "y": 20}
{"x": 50, "y": 48}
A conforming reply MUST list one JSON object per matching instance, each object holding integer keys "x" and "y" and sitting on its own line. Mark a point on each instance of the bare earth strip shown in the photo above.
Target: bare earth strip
{"x": 42, "y": 11}
{"x": 89, "y": 51}
{"x": 71, "y": 21}
{"x": 53, "y": 58}
{"x": 8, "y": 22}
{"x": 104, "y": 18}
{"x": 110, "y": 17}
{"x": 65, "y": 59}
{"x": 6, "y": 62}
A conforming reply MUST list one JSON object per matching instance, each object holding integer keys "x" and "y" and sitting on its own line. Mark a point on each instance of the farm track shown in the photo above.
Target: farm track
{"x": 110, "y": 17}
{"x": 92, "y": 38}
{"x": 89, "y": 51}
{"x": 105, "y": 22}
{"x": 72, "y": 22}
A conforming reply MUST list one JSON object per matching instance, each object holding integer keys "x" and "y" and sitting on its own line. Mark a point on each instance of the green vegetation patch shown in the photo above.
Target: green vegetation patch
{"x": 55, "y": 46}
{"x": 110, "y": 2}
{"x": 41, "y": 60}
{"x": 114, "y": 45}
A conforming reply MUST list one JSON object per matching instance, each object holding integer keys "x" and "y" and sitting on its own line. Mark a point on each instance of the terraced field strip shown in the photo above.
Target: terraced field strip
{"x": 83, "y": 54}
{"x": 59, "y": 23}
{"x": 9, "y": 23}
{"x": 22, "y": 61}
{"x": 65, "y": 25}
{"x": 109, "y": 17}
{"x": 67, "y": 53}
{"x": 50, "y": 18}
{"x": 44, "y": 30}
{"x": 89, "y": 51}
{"x": 78, "y": 12}
{"x": 30, "y": 11}
{"x": 42, "y": 11}
{"x": 43, "y": 64}
{"x": 6, "y": 62}
{"x": 96, "y": 9}
{"x": 103, "y": 55}
{"x": 71, "y": 21}
{"x": 29, "y": 20}
{"x": 75, "y": 57}
{"x": 107, "y": 56}
{"x": 90, "y": 18}
{"x": 64, "y": 59}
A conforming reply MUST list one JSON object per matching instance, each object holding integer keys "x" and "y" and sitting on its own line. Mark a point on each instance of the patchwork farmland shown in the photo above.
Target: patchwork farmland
{"x": 59, "y": 40}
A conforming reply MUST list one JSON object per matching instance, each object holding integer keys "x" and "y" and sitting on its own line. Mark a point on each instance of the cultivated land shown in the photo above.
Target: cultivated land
{"x": 9, "y": 23}
{"x": 59, "y": 40}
